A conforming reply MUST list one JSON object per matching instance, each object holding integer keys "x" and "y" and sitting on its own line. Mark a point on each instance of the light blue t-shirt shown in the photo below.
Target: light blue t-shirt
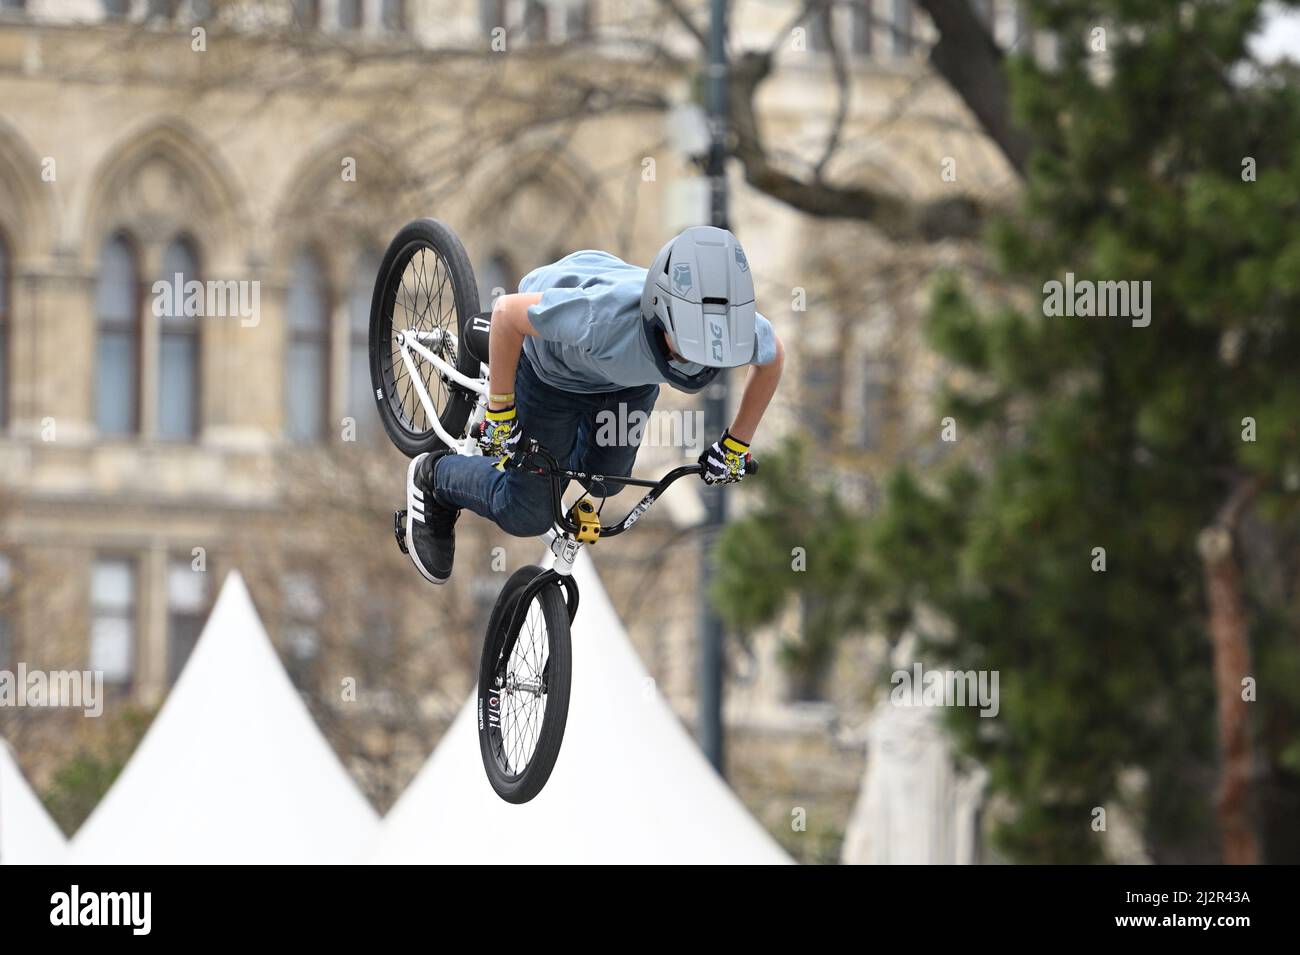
{"x": 588, "y": 324}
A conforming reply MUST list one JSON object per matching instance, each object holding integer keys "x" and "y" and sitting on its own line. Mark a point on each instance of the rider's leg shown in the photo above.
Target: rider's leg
{"x": 518, "y": 502}
{"x": 430, "y": 526}
{"x": 439, "y": 485}
{"x": 611, "y": 451}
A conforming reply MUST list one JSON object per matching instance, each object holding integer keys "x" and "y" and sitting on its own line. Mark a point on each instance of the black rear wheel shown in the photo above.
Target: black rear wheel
{"x": 523, "y": 687}
{"x": 425, "y": 288}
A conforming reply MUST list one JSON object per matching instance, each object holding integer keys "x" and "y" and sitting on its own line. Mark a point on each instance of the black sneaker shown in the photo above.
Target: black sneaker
{"x": 430, "y": 526}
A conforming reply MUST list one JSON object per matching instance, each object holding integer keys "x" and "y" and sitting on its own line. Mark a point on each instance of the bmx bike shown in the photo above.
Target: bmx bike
{"x": 429, "y": 374}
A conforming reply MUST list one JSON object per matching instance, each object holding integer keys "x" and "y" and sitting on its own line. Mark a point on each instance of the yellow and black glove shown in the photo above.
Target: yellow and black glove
{"x": 498, "y": 433}
{"x": 724, "y": 461}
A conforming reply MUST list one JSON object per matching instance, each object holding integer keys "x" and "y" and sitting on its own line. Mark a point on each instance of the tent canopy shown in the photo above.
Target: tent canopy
{"x": 28, "y": 836}
{"x": 233, "y": 768}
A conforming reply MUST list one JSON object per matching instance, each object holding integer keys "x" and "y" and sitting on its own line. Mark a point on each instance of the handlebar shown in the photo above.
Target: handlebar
{"x": 558, "y": 476}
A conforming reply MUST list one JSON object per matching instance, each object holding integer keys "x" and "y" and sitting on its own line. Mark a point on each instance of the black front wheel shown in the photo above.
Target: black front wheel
{"x": 523, "y": 687}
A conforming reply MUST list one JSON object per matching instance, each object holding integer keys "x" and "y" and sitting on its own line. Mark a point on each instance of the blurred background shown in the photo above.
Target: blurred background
{"x": 1104, "y": 514}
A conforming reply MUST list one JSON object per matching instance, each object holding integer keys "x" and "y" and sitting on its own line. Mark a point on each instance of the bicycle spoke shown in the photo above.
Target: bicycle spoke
{"x": 421, "y": 304}
{"x": 523, "y": 702}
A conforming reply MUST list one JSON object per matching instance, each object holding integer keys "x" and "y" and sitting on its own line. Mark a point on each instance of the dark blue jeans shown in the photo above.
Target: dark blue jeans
{"x": 566, "y": 424}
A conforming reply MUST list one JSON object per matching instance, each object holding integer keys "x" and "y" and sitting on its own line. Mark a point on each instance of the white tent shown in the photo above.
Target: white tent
{"x": 233, "y": 769}
{"x": 28, "y": 836}
{"x": 914, "y": 807}
{"x": 629, "y": 785}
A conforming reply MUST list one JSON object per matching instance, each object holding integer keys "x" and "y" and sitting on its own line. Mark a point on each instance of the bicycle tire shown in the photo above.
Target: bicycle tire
{"x": 403, "y": 415}
{"x": 500, "y": 745}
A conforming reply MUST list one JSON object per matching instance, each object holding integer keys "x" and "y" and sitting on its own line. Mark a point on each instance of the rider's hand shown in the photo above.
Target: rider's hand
{"x": 498, "y": 433}
{"x": 724, "y": 461}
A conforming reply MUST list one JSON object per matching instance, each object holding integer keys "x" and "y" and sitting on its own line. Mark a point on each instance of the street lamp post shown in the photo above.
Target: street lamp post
{"x": 715, "y": 407}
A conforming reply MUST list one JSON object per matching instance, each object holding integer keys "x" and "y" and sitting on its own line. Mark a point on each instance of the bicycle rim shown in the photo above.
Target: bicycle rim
{"x": 424, "y": 302}
{"x": 517, "y": 709}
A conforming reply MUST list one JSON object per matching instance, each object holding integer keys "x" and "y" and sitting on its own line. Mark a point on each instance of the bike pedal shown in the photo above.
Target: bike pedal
{"x": 399, "y": 529}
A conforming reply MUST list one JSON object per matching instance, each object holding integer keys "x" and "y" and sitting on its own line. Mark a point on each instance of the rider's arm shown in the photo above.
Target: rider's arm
{"x": 760, "y": 386}
{"x": 509, "y": 326}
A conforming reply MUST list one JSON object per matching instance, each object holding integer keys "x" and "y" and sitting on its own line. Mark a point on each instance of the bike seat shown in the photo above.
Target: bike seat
{"x": 476, "y": 335}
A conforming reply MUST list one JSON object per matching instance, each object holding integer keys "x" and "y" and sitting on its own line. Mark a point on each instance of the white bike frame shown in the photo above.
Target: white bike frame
{"x": 419, "y": 342}
{"x": 564, "y": 547}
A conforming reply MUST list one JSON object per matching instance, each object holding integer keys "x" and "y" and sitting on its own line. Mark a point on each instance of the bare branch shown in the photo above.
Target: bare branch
{"x": 896, "y": 216}
{"x": 843, "y": 95}
{"x": 679, "y": 13}
{"x": 969, "y": 59}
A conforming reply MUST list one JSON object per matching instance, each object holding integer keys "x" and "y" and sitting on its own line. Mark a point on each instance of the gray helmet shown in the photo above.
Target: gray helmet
{"x": 699, "y": 291}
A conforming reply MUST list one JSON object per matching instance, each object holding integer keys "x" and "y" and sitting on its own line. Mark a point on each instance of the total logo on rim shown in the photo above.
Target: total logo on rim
{"x": 493, "y": 711}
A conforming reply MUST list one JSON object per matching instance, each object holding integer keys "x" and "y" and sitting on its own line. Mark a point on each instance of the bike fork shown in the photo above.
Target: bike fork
{"x": 546, "y": 578}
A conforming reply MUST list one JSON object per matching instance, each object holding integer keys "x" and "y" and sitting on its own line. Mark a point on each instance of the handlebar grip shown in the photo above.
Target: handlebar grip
{"x": 751, "y": 466}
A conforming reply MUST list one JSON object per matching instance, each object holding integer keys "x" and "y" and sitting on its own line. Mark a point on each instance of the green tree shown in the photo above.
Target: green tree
{"x": 81, "y": 782}
{"x": 1158, "y": 159}
{"x": 801, "y": 543}
{"x": 1161, "y": 154}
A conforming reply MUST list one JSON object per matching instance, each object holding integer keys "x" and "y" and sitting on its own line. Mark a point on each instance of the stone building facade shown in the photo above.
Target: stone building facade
{"x": 270, "y": 150}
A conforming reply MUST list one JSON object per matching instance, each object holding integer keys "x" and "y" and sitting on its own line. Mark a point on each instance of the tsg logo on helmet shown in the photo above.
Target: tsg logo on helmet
{"x": 682, "y": 279}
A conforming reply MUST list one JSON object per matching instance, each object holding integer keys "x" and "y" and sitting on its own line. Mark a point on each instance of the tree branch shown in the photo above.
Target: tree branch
{"x": 843, "y": 94}
{"x": 969, "y": 59}
{"x": 897, "y": 217}
{"x": 1229, "y": 632}
{"x": 679, "y": 13}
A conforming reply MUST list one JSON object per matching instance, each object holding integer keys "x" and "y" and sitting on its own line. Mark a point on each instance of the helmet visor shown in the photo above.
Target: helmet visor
{"x": 712, "y": 334}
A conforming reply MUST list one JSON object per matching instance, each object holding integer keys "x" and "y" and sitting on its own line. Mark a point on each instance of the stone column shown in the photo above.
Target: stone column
{"x": 151, "y": 641}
